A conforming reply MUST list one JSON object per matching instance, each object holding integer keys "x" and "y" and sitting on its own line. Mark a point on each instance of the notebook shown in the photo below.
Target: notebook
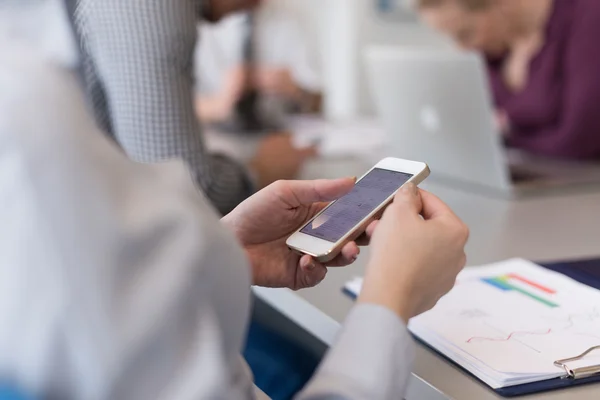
{"x": 514, "y": 323}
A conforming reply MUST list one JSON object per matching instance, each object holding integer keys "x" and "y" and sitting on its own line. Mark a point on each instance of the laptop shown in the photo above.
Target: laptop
{"x": 437, "y": 108}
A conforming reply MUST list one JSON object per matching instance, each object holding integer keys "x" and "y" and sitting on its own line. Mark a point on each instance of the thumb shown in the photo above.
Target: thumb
{"x": 310, "y": 273}
{"x": 323, "y": 190}
{"x": 408, "y": 200}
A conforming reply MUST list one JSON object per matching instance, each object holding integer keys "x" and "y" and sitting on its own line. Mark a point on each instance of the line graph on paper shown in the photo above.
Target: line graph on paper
{"x": 514, "y": 336}
{"x": 571, "y": 319}
{"x": 577, "y": 324}
{"x": 513, "y": 318}
{"x": 510, "y": 336}
{"x": 541, "y": 300}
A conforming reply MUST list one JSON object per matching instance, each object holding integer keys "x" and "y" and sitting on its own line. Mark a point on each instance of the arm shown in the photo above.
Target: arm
{"x": 373, "y": 355}
{"x": 211, "y": 109}
{"x": 279, "y": 81}
{"x": 153, "y": 304}
{"x": 304, "y": 69}
{"x": 372, "y": 359}
{"x": 578, "y": 124}
{"x": 143, "y": 52}
{"x": 216, "y": 107}
{"x": 139, "y": 293}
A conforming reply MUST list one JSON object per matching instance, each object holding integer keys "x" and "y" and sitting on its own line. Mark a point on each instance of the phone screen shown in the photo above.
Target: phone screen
{"x": 345, "y": 213}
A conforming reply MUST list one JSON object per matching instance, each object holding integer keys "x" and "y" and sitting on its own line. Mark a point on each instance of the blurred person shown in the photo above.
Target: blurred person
{"x": 265, "y": 50}
{"x": 544, "y": 67}
{"x": 118, "y": 280}
{"x": 137, "y": 67}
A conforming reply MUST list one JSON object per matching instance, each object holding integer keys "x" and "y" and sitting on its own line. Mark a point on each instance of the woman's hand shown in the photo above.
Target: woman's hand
{"x": 417, "y": 251}
{"x": 277, "y": 81}
{"x": 502, "y": 122}
{"x": 265, "y": 221}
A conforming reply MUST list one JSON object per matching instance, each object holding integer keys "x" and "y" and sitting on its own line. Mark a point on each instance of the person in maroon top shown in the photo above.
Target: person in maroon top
{"x": 544, "y": 67}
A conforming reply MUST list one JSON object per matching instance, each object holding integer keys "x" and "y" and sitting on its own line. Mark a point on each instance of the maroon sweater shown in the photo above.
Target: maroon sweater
{"x": 557, "y": 113}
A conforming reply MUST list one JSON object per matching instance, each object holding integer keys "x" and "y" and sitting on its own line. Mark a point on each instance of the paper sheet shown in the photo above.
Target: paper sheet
{"x": 357, "y": 137}
{"x": 507, "y": 323}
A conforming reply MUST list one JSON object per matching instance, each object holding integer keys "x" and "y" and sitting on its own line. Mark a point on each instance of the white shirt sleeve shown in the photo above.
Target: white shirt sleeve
{"x": 280, "y": 43}
{"x": 117, "y": 280}
{"x": 283, "y": 43}
{"x": 372, "y": 359}
{"x": 218, "y": 50}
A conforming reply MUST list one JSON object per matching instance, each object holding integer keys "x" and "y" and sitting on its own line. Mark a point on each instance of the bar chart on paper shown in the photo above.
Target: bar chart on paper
{"x": 505, "y": 283}
{"x": 507, "y": 323}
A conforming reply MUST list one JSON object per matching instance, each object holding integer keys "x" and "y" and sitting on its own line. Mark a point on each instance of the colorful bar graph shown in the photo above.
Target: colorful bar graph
{"x": 503, "y": 283}
{"x": 532, "y": 283}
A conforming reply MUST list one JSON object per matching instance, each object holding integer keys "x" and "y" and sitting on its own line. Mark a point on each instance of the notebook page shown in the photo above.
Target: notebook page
{"x": 507, "y": 323}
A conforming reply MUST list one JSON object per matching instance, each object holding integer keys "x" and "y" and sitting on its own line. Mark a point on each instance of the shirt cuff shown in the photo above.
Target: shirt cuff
{"x": 372, "y": 358}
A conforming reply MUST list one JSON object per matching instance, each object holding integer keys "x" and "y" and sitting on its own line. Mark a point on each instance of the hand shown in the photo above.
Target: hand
{"x": 218, "y": 107}
{"x": 516, "y": 67}
{"x": 277, "y": 159}
{"x": 277, "y": 81}
{"x": 265, "y": 221}
{"x": 418, "y": 249}
{"x": 502, "y": 122}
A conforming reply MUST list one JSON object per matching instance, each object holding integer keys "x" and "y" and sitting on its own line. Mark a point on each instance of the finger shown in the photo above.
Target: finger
{"x": 323, "y": 190}
{"x": 347, "y": 256}
{"x": 407, "y": 200}
{"x": 365, "y": 238}
{"x": 433, "y": 207}
{"x": 350, "y": 252}
{"x": 371, "y": 229}
{"x": 311, "y": 273}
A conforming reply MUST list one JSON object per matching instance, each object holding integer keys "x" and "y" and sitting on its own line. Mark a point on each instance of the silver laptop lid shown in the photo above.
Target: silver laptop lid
{"x": 436, "y": 107}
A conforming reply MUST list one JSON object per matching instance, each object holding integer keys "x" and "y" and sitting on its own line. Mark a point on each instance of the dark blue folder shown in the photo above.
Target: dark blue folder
{"x": 584, "y": 271}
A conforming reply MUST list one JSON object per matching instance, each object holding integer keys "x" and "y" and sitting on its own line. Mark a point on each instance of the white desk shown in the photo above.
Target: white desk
{"x": 542, "y": 229}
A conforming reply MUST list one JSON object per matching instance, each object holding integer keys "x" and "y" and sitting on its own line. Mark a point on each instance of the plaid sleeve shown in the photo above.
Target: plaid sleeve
{"x": 138, "y": 58}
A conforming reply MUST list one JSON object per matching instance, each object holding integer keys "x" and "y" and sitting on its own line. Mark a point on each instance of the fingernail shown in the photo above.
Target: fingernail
{"x": 310, "y": 265}
{"x": 410, "y": 188}
{"x": 304, "y": 263}
{"x": 354, "y": 178}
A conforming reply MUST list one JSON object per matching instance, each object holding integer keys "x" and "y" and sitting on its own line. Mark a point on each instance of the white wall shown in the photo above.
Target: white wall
{"x": 341, "y": 31}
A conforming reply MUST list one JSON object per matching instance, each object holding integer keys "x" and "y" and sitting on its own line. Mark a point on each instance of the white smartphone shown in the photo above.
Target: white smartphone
{"x": 345, "y": 219}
